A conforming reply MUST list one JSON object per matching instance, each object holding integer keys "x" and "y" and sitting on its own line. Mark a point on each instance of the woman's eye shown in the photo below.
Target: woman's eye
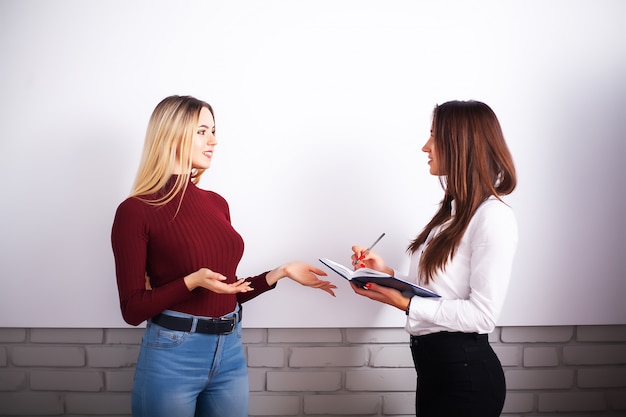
{"x": 201, "y": 132}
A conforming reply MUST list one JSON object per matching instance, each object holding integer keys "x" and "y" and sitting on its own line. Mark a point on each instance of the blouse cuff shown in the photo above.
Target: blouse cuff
{"x": 423, "y": 309}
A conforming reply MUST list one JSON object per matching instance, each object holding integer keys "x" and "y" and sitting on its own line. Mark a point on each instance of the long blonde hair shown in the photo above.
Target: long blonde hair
{"x": 473, "y": 153}
{"x": 168, "y": 142}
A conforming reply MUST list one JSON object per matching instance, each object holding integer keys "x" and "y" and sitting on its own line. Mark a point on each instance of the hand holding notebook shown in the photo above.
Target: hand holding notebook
{"x": 362, "y": 276}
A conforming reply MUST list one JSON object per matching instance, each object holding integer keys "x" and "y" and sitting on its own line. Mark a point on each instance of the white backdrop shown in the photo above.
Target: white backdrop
{"x": 322, "y": 108}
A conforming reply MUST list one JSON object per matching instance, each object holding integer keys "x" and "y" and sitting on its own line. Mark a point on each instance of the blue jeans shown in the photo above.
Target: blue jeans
{"x": 182, "y": 374}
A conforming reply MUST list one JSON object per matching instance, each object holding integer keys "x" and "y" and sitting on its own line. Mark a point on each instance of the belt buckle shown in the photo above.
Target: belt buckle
{"x": 217, "y": 325}
{"x": 231, "y": 322}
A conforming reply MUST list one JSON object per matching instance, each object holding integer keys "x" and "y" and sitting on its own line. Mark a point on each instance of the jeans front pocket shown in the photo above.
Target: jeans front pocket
{"x": 163, "y": 338}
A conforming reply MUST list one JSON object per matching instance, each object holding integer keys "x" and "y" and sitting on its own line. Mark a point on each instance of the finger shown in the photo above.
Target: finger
{"x": 329, "y": 291}
{"x": 357, "y": 288}
{"x": 362, "y": 292}
{"x": 359, "y": 258}
{"x": 325, "y": 284}
{"x": 242, "y": 288}
{"x": 358, "y": 251}
{"x": 316, "y": 284}
{"x": 328, "y": 287}
{"x": 372, "y": 287}
{"x": 379, "y": 288}
{"x": 218, "y": 276}
{"x": 317, "y": 271}
{"x": 240, "y": 282}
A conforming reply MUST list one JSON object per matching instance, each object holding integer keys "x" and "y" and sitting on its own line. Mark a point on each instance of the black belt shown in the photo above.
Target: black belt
{"x": 446, "y": 337}
{"x": 221, "y": 325}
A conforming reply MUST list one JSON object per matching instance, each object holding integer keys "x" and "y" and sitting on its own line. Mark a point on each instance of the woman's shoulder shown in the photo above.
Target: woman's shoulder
{"x": 494, "y": 206}
{"x": 495, "y": 216}
{"x": 130, "y": 214}
{"x": 214, "y": 196}
{"x": 209, "y": 193}
{"x": 131, "y": 206}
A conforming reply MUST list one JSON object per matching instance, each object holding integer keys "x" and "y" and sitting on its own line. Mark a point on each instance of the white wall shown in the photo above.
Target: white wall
{"x": 321, "y": 108}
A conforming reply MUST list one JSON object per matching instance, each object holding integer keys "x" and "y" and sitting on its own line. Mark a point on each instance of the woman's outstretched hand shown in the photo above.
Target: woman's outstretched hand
{"x": 215, "y": 282}
{"x": 302, "y": 273}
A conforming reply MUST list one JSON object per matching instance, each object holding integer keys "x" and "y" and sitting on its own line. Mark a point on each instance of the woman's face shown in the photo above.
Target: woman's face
{"x": 429, "y": 148}
{"x": 203, "y": 141}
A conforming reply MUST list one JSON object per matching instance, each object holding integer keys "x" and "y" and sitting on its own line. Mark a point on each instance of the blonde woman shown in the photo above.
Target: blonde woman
{"x": 191, "y": 361}
{"x": 465, "y": 254}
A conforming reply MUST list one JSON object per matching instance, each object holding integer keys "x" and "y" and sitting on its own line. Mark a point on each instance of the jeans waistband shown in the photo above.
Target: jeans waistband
{"x": 188, "y": 323}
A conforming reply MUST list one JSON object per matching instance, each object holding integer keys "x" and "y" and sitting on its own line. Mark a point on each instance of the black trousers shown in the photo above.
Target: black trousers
{"x": 458, "y": 374}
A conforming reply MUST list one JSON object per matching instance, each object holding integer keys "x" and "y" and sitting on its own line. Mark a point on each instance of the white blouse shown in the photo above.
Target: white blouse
{"x": 474, "y": 284}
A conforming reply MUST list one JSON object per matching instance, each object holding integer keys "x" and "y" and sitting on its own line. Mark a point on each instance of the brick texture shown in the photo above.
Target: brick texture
{"x": 568, "y": 371}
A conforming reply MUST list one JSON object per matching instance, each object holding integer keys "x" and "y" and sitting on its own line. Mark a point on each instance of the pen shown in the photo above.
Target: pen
{"x": 366, "y": 251}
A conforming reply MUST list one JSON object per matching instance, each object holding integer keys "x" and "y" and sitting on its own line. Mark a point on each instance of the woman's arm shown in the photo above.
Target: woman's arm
{"x": 490, "y": 245}
{"x": 129, "y": 242}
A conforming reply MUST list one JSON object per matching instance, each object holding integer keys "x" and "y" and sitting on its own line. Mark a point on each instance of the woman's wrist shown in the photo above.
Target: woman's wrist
{"x": 407, "y": 309}
{"x": 276, "y": 274}
{"x": 190, "y": 282}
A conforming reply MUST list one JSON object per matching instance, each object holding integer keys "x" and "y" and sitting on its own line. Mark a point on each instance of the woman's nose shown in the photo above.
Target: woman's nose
{"x": 427, "y": 145}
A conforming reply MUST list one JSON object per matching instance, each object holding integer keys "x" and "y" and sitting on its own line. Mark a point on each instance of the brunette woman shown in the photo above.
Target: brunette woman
{"x": 464, "y": 254}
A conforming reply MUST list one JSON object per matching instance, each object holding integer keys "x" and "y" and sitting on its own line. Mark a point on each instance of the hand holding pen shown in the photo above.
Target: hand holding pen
{"x": 366, "y": 251}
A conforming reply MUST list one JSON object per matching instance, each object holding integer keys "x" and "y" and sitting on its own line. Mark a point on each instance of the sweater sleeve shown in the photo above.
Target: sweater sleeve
{"x": 260, "y": 285}
{"x": 129, "y": 240}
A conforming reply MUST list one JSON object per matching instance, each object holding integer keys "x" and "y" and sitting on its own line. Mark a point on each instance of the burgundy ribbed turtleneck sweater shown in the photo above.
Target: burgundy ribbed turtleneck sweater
{"x": 167, "y": 246}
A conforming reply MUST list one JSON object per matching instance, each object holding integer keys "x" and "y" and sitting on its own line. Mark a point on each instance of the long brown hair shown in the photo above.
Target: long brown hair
{"x": 168, "y": 141}
{"x": 477, "y": 163}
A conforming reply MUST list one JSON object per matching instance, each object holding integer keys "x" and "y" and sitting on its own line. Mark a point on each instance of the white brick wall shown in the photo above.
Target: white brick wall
{"x": 573, "y": 371}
